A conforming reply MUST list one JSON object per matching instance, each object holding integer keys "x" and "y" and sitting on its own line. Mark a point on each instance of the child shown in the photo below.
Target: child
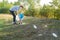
{"x": 21, "y": 17}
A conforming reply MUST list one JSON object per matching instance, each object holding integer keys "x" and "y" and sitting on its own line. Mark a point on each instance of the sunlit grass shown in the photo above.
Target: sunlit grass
{"x": 5, "y": 16}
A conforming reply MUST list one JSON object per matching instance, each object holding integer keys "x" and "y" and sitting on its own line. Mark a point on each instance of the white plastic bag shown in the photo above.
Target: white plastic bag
{"x": 55, "y": 35}
{"x": 35, "y": 26}
{"x": 17, "y": 18}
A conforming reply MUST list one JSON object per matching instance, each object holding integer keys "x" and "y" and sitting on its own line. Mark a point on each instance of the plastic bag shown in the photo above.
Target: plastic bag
{"x": 17, "y": 18}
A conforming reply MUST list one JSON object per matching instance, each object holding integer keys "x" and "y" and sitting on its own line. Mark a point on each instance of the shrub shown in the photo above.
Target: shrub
{"x": 4, "y": 10}
{"x": 30, "y": 12}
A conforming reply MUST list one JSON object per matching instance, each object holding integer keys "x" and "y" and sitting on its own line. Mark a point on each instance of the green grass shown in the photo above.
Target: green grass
{"x": 27, "y": 32}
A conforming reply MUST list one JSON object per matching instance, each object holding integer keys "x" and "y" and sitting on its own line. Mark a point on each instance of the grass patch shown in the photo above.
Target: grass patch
{"x": 27, "y": 32}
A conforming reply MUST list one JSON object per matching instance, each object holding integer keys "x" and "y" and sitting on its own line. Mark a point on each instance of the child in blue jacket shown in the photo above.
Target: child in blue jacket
{"x": 21, "y": 17}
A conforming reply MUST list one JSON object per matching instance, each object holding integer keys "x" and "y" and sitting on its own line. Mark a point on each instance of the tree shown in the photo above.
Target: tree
{"x": 57, "y": 14}
{"x": 4, "y": 2}
{"x": 44, "y": 11}
{"x": 56, "y": 5}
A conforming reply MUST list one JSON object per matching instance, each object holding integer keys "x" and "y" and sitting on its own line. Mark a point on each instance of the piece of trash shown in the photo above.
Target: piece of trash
{"x": 39, "y": 34}
{"x": 23, "y": 24}
{"x": 45, "y": 25}
{"x": 55, "y": 35}
{"x": 17, "y": 18}
{"x": 35, "y": 26}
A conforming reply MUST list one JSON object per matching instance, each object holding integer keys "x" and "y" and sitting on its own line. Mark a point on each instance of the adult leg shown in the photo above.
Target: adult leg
{"x": 14, "y": 17}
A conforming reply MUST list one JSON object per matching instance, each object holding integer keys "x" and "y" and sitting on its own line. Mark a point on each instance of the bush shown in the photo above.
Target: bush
{"x": 57, "y": 14}
{"x": 30, "y": 12}
{"x": 4, "y": 10}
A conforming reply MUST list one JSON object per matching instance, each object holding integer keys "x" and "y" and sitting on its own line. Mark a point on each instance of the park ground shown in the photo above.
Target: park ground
{"x": 44, "y": 31}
